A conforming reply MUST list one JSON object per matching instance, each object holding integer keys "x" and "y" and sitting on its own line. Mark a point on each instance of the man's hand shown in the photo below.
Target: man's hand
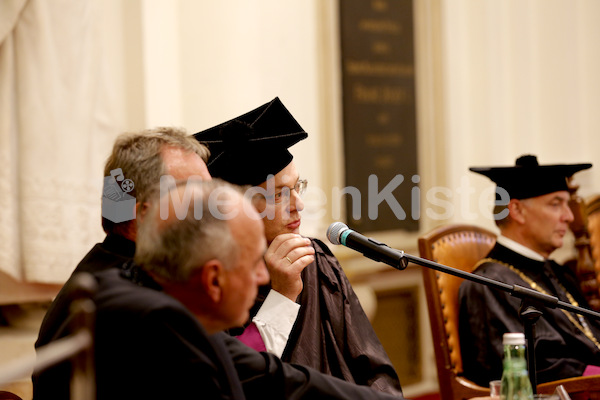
{"x": 286, "y": 258}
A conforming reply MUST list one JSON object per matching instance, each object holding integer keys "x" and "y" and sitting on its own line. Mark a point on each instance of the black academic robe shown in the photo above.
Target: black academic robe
{"x": 561, "y": 349}
{"x": 149, "y": 346}
{"x": 113, "y": 252}
{"x": 332, "y": 333}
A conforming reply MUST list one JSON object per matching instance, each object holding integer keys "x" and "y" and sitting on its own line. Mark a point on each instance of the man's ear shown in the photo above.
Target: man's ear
{"x": 210, "y": 279}
{"x": 516, "y": 210}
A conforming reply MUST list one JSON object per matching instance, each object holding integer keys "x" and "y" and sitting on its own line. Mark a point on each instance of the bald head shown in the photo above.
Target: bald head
{"x": 204, "y": 243}
{"x": 180, "y": 231}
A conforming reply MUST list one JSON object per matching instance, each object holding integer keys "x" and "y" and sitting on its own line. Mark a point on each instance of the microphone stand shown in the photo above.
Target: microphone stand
{"x": 531, "y": 300}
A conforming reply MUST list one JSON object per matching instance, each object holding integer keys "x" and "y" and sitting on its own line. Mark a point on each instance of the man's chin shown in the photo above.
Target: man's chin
{"x": 557, "y": 245}
{"x": 289, "y": 230}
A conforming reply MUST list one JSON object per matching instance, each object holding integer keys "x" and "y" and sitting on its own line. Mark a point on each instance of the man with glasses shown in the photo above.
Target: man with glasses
{"x": 309, "y": 293}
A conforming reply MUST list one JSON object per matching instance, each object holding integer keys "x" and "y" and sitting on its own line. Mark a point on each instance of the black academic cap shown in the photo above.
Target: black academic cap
{"x": 248, "y": 148}
{"x": 529, "y": 179}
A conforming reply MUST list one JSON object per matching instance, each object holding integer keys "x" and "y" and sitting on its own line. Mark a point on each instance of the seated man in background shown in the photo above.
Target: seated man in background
{"x": 197, "y": 270}
{"x": 332, "y": 332}
{"x": 532, "y": 225}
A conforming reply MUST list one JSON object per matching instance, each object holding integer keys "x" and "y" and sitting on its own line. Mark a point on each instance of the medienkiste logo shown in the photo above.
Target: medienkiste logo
{"x": 117, "y": 204}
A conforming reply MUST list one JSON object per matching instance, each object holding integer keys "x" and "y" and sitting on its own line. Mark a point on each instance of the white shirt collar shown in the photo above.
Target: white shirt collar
{"x": 519, "y": 248}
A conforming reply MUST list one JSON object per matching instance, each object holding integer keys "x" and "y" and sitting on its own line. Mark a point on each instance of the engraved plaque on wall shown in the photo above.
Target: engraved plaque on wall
{"x": 379, "y": 114}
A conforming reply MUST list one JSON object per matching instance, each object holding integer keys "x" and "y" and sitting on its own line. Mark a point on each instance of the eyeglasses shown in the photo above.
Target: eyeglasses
{"x": 284, "y": 194}
{"x": 300, "y": 186}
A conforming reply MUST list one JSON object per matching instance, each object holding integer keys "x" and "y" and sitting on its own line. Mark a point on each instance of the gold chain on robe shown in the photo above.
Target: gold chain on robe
{"x": 581, "y": 324}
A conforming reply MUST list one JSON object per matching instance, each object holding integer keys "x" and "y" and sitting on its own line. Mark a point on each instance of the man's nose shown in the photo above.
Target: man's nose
{"x": 296, "y": 203}
{"x": 568, "y": 214}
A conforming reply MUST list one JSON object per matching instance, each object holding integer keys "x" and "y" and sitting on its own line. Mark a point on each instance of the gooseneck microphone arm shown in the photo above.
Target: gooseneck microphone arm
{"x": 531, "y": 300}
{"x": 531, "y": 303}
{"x": 339, "y": 233}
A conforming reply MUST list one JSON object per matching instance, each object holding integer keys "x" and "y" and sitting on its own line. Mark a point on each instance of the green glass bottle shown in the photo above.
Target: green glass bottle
{"x": 515, "y": 378}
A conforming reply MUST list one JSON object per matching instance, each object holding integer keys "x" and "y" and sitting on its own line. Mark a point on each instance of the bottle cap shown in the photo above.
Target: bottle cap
{"x": 513, "y": 339}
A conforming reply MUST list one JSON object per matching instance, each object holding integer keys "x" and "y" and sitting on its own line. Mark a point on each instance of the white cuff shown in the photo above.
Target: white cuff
{"x": 275, "y": 320}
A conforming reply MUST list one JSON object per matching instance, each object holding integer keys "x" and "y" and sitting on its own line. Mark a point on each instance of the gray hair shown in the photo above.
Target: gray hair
{"x": 138, "y": 155}
{"x": 173, "y": 248}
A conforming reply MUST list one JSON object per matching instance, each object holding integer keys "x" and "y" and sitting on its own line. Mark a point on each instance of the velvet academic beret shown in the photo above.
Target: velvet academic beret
{"x": 529, "y": 179}
{"x": 249, "y": 148}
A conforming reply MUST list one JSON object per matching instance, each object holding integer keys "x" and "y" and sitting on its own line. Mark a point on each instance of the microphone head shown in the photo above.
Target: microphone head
{"x": 334, "y": 231}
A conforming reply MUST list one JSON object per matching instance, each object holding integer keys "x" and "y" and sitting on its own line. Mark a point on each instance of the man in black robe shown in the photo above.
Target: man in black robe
{"x": 331, "y": 332}
{"x": 159, "y": 322}
{"x": 533, "y": 216}
{"x": 142, "y": 157}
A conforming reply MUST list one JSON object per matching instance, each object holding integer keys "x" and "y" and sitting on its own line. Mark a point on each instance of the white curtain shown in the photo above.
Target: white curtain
{"x": 520, "y": 77}
{"x": 55, "y": 132}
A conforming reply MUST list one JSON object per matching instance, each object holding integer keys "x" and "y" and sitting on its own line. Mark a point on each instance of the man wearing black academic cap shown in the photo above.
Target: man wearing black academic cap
{"x": 331, "y": 332}
{"x": 533, "y": 218}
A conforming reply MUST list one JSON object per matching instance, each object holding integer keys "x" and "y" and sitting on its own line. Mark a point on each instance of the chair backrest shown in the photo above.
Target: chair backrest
{"x": 593, "y": 226}
{"x": 583, "y": 263}
{"x": 459, "y": 246}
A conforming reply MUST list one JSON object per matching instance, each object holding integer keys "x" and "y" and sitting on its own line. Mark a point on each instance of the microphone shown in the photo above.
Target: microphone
{"x": 339, "y": 233}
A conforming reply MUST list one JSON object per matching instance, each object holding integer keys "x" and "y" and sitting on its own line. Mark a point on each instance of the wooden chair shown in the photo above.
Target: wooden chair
{"x": 583, "y": 263}
{"x": 457, "y": 246}
{"x": 461, "y": 246}
{"x": 593, "y": 226}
